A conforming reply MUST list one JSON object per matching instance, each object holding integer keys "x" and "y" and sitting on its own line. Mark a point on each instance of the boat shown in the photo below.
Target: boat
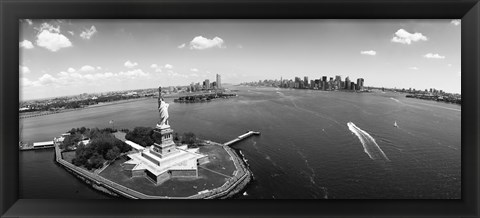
{"x": 395, "y": 124}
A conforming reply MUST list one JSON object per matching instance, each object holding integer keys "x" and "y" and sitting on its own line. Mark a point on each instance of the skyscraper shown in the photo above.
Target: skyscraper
{"x": 207, "y": 84}
{"x": 219, "y": 81}
{"x": 347, "y": 83}
{"x": 305, "y": 81}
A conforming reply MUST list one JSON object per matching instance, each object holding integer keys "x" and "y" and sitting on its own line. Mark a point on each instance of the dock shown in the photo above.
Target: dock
{"x": 241, "y": 137}
{"x": 37, "y": 145}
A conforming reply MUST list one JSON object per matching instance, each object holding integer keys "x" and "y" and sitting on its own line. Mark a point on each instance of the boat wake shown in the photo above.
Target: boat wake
{"x": 395, "y": 100}
{"x": 368, "y": 142}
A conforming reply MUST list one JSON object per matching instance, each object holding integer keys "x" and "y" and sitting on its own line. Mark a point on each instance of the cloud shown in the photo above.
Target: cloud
{"x": 433, "y": 56}
{"x": 370, "y": 52}
{"x": 181, "y": 46}
{"x": 71, "y": 33}
{"x": 130, "y": 64}
{"x": 88, "y": 33}
{"x": 87, "y": 68}
{"x": 26, "y": 44}
{"x": 50, "y": 38}
{"x": 168, "y": 66}
{"x": 413, "y": 68}
{"x": 200, "y": 43}
{"x": 156, "y": 68}
{"x": 26, "y": 82}
{"x": 456, "y": 22}
{"x": 194, "y": 70}
{"x": 46, "y": 79}
{"x": 70, "y": 70}
{"x": 72, "y": 78}
{"x": 449, "y": 65}
{"x": 133, "y": 74}
{"x": 28, "y": 21}
{"x": 404, "y": 37}
{"x": 24, "y": 69}
{"x": 194, "y": 75}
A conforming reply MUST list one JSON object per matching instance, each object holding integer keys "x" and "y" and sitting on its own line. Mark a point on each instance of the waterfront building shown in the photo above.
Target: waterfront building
{"x": 352, "y": 86}
{"x": 219, "y": 81}
{"x": 305, "y": 81}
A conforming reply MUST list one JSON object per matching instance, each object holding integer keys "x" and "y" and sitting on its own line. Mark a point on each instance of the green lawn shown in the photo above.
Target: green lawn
{"x": 68, "y": 156}
{"x": 220, "y": 162}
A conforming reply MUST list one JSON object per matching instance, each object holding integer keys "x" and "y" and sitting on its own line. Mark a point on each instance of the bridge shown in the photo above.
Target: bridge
{"x": 239, "y": 138}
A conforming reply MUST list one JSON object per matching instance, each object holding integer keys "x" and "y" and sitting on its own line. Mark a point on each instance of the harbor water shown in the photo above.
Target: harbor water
{"x": 313, "y": 144}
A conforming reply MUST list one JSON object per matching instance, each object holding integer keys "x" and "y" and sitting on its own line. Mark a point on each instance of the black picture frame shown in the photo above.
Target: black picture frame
{"x": 13, "y": 10}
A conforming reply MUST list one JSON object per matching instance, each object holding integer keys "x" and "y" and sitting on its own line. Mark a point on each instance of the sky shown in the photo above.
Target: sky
{"x": 68, "y": 57}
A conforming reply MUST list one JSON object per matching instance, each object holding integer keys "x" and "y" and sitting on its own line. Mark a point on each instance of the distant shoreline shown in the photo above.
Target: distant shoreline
{"x": 44, "y": 113}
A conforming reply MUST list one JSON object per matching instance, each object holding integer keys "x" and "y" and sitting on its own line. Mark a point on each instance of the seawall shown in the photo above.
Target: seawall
{"x": 233, "y": 186}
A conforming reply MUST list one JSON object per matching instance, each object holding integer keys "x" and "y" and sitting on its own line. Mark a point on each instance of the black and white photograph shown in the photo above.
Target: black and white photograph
{"x": 240, "y": 109}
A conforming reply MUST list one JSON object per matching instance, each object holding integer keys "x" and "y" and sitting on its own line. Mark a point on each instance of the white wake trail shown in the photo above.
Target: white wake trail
{"x": 395, "y": 100}
{"x": 368, "y": 142}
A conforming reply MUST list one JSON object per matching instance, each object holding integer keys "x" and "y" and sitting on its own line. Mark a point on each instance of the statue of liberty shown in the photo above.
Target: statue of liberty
{"x": 162, "y": 111}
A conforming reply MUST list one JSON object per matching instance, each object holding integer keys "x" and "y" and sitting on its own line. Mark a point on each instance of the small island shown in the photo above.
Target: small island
{"x": 204, "y": 97}
{"x": 153, "y": 163}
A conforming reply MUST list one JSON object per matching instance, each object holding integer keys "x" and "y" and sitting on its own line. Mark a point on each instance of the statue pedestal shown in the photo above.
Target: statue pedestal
{"x": 163, "y": 145}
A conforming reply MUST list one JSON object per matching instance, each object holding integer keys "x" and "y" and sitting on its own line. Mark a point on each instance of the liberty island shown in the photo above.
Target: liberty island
{"x": 168, "y": 167}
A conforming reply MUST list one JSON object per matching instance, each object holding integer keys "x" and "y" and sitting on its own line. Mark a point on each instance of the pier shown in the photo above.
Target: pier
{"x": 37, "y": 145}
{"x": 240, "y": 138}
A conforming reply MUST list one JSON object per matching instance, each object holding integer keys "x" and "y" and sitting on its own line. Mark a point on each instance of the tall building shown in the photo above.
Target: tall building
{"x": 347, "y": 83}
{"x": 207, "y": 84}
{"x": 219, "y": 81}
{"x": 305, "y": 81}
{"x": 360, "y": 83}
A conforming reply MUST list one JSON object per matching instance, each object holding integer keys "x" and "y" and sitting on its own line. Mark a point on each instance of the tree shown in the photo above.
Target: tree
{"x": 189, "y": 138}
{"x": 141, "y": 136}
{"x": 112, "y": 153}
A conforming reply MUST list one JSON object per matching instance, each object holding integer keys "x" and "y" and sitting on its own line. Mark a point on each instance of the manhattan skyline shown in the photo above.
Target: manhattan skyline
{"x": 68, "y": 57}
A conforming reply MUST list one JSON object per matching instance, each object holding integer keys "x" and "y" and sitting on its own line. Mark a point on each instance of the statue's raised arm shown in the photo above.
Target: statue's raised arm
{"x": 162, "y": 111}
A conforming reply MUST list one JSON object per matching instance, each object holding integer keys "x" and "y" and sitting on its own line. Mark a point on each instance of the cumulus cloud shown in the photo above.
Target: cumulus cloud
{"x": 26, "y": 44}
{"x": 87, "y": 68}
{"x": 456, "y": 22}
{"x": 413, "y": 68}
{"x": 194, "y": 69}
{"x": 181, "y": 46}
{"x": 130, "y": 64}
{"x": 25, "y": 82}
{"x": 434, "y": 56}
{"x": 71, "y": 70}
{"x": 24, "y": 69}
{"x": 69, "y": 78}
{"x": 168, "y": 66}
{"x": 370, "y": 52}
{"x": 50, "y": 38}
{"x": 46, "y": 79}
{"x": 71, "y": 33}
{"x": 404, "y": 37}
{"x": 28, "y": 21}
{"x": 200, "y": 43}
{"x": 156, "y": 68}
{"x": 133, "y": 73}
{"x": 88, "y": 33}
